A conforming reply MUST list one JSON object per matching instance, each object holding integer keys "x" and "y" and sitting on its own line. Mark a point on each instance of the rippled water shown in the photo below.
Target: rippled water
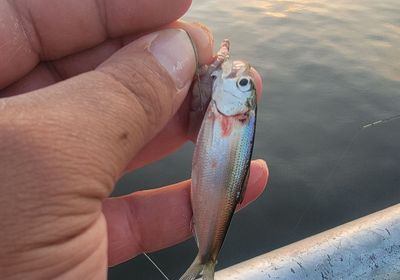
{"x": 329, "y": 68}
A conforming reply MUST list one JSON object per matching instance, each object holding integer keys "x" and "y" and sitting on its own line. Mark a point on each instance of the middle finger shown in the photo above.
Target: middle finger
{"x": 48, "y": 73}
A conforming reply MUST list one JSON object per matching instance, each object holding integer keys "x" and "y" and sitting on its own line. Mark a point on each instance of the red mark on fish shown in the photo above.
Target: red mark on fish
{"x": 226, "y": 126}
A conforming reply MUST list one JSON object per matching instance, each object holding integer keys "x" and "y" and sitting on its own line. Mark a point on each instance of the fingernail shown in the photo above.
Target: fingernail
{"x": 174, "y": 50}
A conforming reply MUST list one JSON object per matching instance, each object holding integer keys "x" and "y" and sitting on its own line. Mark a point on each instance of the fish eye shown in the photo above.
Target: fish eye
{"x": 244, "y": 84}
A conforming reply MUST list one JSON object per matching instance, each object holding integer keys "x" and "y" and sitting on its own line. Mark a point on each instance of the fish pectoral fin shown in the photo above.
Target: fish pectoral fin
{"x": 244, "y": 187}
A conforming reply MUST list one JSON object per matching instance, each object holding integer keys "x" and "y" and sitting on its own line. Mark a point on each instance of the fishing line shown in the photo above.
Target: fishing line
{"x": 339, "y": 161}
{"x": 156, "y": 266}
{"x": 381, "y": 121}
{"x": 328, "y": 178}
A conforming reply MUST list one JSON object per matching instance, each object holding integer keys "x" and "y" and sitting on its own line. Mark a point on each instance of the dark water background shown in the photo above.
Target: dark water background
{"x": 329, "y": 68}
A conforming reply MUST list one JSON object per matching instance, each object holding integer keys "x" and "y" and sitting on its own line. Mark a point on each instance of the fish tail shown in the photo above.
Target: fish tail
{"x": 197, "y": 267}
{"x": 194, "y": 270}
{"x": 208, "y": 270}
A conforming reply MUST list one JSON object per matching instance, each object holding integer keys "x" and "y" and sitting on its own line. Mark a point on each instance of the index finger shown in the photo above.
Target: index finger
{"x": 34, "y": 30}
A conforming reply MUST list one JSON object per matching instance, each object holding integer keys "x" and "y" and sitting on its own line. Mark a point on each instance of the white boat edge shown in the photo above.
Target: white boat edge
{"x": 366, "y": 248}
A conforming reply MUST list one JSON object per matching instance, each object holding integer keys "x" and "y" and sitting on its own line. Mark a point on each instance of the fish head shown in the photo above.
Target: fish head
{"x": 234, "y": 90}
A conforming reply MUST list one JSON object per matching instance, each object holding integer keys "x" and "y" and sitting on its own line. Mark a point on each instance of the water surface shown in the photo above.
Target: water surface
{"x": 329, "y": 68}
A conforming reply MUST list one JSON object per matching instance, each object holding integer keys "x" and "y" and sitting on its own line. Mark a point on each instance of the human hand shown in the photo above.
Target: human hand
{"x": 101, "y": 101}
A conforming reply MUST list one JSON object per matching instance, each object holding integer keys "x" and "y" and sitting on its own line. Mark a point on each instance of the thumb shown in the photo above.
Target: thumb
{"x": 97, "y": 121}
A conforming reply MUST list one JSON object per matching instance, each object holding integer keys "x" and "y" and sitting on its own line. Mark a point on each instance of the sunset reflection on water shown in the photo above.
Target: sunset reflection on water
{"x": 281, "y": 8}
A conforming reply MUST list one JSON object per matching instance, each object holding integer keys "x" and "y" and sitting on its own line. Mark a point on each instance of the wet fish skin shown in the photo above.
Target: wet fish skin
{"x": 221, "y": 160}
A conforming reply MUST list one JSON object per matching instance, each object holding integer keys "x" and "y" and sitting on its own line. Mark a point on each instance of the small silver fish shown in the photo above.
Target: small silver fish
{"x": 221, "y": 159}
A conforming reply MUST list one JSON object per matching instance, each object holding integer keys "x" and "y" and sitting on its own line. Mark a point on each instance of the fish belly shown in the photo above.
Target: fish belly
{"x": 220, "y": 165}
